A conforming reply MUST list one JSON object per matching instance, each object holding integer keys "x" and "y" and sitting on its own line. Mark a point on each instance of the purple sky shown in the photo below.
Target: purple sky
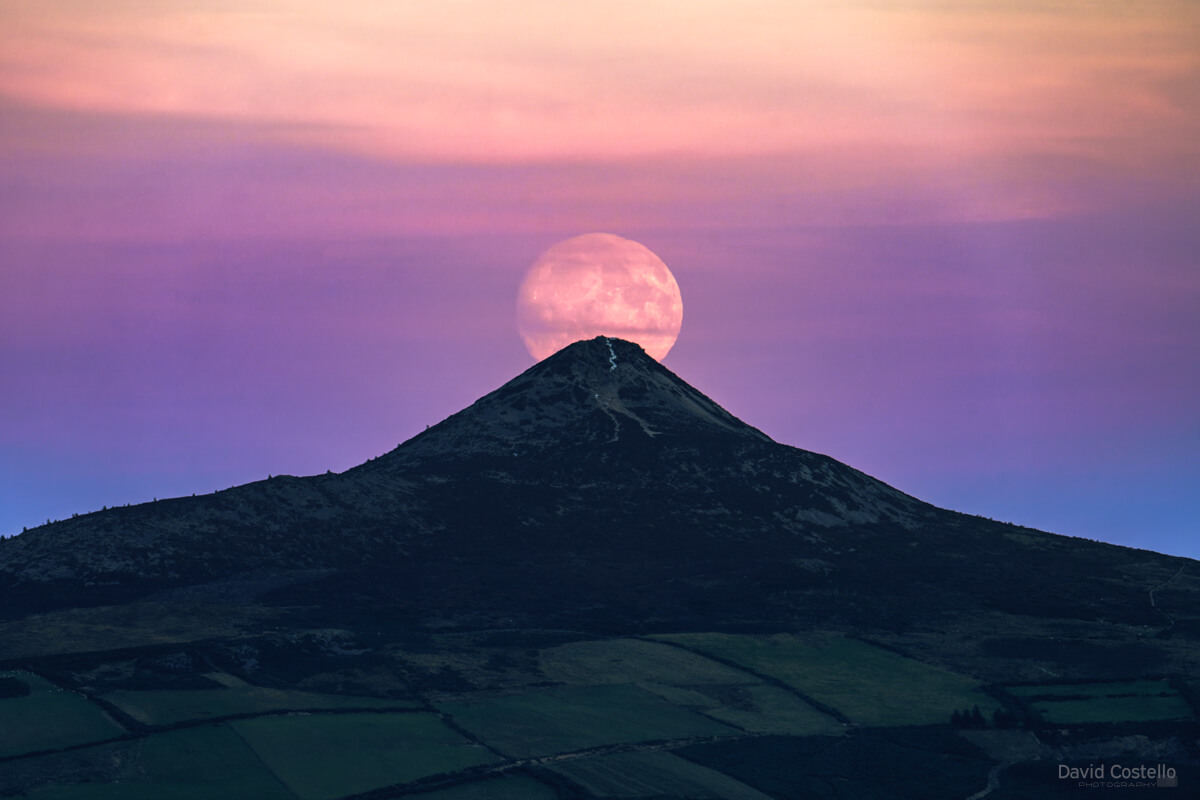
{"x": 957, "y": 250}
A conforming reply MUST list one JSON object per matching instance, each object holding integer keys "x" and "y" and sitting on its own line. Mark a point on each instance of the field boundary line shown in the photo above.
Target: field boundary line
{"x": 259, "y": 759}
{"x": 829, "y": 711}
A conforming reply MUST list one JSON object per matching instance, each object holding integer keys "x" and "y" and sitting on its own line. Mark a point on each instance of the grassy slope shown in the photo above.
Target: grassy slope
{"x": 321, "y": 756}
{"x": 163, "y": 707}
{"x": 688, "y": 680}
{"x": 869, "y": 685}
{"x": 193, "y": 764}
{"x": 50, "y": 718}
{"x": 509, "y": 787}
{"x": 653, "y": 773}
{"x": 1110, "y": 701}
{"x": 567, "y": 719}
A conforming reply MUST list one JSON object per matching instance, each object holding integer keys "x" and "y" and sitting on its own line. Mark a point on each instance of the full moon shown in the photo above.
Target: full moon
{"x": 594, "y": 285}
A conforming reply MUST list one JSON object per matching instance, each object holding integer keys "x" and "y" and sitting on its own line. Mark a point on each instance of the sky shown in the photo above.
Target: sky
{"x": 953, "y": 244}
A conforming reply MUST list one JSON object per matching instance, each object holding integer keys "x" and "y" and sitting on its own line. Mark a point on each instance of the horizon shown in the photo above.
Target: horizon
{"x": 951, "y": 248}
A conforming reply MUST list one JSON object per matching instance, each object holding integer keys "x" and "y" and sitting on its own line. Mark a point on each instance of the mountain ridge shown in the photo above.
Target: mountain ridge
{"x": 597, "y": 458}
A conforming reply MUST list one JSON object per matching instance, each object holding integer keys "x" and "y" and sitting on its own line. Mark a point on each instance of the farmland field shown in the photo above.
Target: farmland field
{"x": 687, "y": 679}
{"x": 868, "y": 684}
{"x": 1109, "y": 709}
{"x": 769, "y": 709}
{"x": 634, "y": 661}
{"x": 648, "y": 774}
{"x": 190, "y": 764}
{"x": 866, "y": 764}
{"x": 575, "y": 718}
{"x": 49, "y": 718}
{"x": 1105, "y": 689}
{"x": 330, "y": 755}
{"x": 163, "y": 707}
{"x": 1115, "y": 701}
{"x": 510, "y": 787}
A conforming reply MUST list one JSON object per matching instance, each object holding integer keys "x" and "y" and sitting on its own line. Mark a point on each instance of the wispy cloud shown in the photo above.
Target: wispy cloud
{"x": 472, "y": 81}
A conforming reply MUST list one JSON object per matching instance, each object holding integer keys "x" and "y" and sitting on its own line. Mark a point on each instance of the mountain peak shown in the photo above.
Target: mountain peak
{"x": 596, "y": 392}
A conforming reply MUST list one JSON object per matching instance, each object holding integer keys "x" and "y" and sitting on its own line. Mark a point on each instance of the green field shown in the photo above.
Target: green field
{"x": 1115, "y": 701}
{"x": 756, "y": 708}
{"x": 770, "y": 709}
{"x": 50, "y": 718}
{"x": 1114, "y": 709}
{"x": 634, "y": 661}
{"x": 1081, "y": 690}
{"x": 648, "y": 774}
{"x": 869, "y": 685}
{"x": 321, "y": 756}
{"x": 191, "y": 764}
{"x": 163, "y": 707}
{"x": 510, "y": 787}
{"x": 689, "y": 680}
{"x": 708, "y": 689}
{"x": 566, "y": 719}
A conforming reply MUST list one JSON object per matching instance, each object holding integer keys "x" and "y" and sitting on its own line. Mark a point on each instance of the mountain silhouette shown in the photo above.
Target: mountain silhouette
{"x": 596, "y": 488}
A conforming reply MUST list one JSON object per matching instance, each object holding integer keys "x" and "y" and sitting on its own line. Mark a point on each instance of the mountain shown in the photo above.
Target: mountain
{"x": 598, "y": 449}
{"x": 601, "y": 470}
{"x": 601, "y": 579}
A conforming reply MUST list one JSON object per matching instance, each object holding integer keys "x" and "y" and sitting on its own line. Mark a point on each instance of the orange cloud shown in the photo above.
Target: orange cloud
{"x": 867, "y": 86}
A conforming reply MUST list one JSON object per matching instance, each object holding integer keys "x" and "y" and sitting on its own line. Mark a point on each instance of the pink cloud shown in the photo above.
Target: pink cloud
{"x": 560, "y": 83}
